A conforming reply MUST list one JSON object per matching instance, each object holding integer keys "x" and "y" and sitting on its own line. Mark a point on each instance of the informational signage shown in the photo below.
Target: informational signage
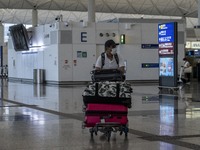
{"x": 167, "y": 51}
{"x": 166, "y": 33}
{"x": 149, "y": 46}
{"x": 197, "y": 52}
{"x": 166, "y": 48}
{"x": 195, "y": 45}
{"x": 166, "y": 38}
{"x": 150, "y": 65}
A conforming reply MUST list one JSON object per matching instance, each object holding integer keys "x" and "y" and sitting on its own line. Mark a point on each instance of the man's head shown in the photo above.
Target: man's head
{"x": 110, "y": 46}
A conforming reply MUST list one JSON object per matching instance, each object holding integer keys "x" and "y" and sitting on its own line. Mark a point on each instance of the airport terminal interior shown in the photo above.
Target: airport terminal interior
{"x": 48, "y": 51}
{"x": 44, "y": 117}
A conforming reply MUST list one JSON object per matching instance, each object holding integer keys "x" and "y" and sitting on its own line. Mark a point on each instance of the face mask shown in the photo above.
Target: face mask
{"x": 114, "y": 51}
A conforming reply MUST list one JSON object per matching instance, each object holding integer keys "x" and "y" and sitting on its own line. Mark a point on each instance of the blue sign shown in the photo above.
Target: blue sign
{"x": 166, "y": 33}
{"x": 150, "y": 65}
{"x": 149, "y": 46}
{"x": 197, "y": 52}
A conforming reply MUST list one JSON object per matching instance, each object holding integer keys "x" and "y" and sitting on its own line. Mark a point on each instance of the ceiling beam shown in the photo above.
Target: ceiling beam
{"x": 79, "y": 1}
{"x": 110, "y": 9}
{"x": 130, "y": 5}
{"x": 181, "y": 11}
{"x": 156, "y": 7}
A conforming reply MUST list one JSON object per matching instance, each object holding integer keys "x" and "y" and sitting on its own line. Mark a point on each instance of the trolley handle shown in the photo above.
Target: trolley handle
{"x": 106, "y": 117}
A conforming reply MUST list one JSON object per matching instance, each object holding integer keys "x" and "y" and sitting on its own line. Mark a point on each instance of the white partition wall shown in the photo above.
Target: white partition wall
{"x": 68, "y": 51}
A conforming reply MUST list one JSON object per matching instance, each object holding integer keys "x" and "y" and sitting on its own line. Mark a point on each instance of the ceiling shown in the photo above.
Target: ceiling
{"x": 20, "y": 11}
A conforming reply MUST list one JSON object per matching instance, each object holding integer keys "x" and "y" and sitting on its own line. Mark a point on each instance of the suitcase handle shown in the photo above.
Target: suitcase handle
{"x": 106, "y": 117}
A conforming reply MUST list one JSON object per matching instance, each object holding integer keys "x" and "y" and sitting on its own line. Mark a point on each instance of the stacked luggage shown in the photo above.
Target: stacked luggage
{"x": 106, "y": 102}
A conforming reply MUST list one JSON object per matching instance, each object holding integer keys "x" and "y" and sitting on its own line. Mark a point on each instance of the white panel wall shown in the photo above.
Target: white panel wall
{"x": 65, "y": 64}
{"x": 21, "y": 64}
{"x": 107, "y": 30}
{"x": 137, "y": 34}
{"x": 149, "y": 33}
{"x": 83, "y": 35}
{"x": 11, "y": 58}
{"x": 84, "y": 65}
{"x": 133, "y": 34}
{"x": 51, "y": 62}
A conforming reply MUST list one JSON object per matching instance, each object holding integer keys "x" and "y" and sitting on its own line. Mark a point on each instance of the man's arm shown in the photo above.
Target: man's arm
{"x": 121, "y": 64}
{"x": 98, "y": 64}
{"x": 122, "y": 69}
{"x": 97, "y": 68}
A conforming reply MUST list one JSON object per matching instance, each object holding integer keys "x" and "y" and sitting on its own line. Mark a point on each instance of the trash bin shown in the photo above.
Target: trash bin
{"x": 41, "y": 76}
{"x": 38, "y": 76}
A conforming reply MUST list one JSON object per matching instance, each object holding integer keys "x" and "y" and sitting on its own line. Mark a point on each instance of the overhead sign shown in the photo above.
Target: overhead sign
{"x": 195, "y": 45}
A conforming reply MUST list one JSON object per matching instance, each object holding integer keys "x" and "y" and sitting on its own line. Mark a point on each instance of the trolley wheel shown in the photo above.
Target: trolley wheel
{"x": 121, "y": 132}
{"x": 126, "y": 134}
{"x": 91, "y": 133}
{"x": 109, "y": 135}
{"x": 126, "y": 131}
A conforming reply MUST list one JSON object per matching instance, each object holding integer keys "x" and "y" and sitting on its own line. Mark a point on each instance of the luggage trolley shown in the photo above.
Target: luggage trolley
{"x": 99, "y": 117}
{"x": 104, "y": 113}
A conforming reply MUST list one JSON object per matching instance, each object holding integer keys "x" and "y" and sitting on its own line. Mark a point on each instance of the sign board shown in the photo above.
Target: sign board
{"x": 167, "y": 51}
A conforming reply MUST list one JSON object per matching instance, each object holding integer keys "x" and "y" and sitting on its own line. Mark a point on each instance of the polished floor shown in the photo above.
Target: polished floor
{"x": 37, "y": 117}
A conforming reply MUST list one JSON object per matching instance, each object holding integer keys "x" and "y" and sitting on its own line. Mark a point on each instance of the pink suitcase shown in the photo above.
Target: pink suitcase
{"x": 105, "y": 113}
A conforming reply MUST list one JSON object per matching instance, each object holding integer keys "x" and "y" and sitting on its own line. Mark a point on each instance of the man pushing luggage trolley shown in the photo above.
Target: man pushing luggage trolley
{"x": 108, "y": 97}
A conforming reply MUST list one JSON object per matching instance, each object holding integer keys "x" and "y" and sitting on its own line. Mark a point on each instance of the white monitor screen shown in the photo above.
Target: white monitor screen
{"x": 166, "y": 66}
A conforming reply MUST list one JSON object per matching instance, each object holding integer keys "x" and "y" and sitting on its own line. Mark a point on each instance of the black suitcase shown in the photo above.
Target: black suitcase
{"x": 107, "y": 75}
{"x": 96, "y": 98}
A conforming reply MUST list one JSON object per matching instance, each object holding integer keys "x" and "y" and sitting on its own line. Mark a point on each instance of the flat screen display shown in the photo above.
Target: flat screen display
{"x": 166, "y": 66}
{"x": 19, "y": 37}
{"x": 166, "y": 33}
{"x": 166, "y": 38}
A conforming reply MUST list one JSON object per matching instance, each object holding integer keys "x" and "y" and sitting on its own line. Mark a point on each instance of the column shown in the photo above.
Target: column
{"x": 198, "y": 12}
{"x": 91, "y": 10}
{"x": 34, "y": 17}
{"x": 1, "y": 34}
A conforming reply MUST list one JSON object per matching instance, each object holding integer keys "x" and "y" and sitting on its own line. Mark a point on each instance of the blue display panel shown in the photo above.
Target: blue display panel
{"x": 166, "y": 38}
{"x": 196, "y": 52}
{"x": 166, "y": 33}
{"x": 168, "y": 51}
{"x": 166, "y": 66}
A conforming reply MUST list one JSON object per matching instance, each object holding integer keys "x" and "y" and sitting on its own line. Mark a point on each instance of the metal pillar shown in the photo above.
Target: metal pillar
{"x": 1, "y": 34}
{"x": 91, "y": 10}
{"x": 34, "y": 17}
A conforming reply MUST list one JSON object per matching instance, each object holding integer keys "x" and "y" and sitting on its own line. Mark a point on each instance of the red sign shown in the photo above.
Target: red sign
{"x": 166, "y": 48}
